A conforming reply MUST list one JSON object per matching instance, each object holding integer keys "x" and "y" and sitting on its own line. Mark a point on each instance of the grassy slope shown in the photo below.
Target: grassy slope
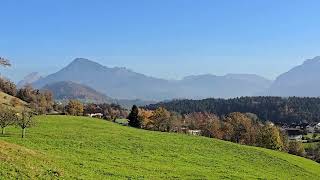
{"x": 5, "y": 99}
{"x": 86, "y": 148}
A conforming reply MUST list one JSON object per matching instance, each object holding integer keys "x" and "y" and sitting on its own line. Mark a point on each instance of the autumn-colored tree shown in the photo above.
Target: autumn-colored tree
{"x": 40, "y": 101}
{"x": 112, "y": 113}
{"x": 216, "y": 129}
{"x": 7, "y": 117}
{"x": 74, "y": 108}
{"x": 240, "y": 129}
{"x": 270, "y": 137}
{"x": 175, "y": 122}
{"x": 159, "y": 119}
{"x": 202, "y": 121}
{"x": 8, "y": 87}
{"x": 26, "y": 94}
{"x": 145, "y": 117}
{"x": 296, "y": 148}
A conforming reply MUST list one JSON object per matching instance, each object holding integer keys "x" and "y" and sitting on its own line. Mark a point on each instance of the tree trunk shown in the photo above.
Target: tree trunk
{"x": 3, "y": 130}
{"x": 23, "y": 133}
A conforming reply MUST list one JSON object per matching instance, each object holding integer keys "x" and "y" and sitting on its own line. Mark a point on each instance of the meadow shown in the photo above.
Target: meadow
{"x": 66, "y": 147}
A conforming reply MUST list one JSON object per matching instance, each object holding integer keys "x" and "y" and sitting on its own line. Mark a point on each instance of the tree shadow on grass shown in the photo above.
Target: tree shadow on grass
{"x": 5, "y": 135}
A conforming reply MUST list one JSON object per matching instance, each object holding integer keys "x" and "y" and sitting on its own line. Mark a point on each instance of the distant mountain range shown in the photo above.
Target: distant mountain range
{"x": 302, "y": 81}
{"x": 121, "y": 83}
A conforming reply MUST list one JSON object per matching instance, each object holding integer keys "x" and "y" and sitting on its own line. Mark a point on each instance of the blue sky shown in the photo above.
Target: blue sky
{"x": 161, "y": 38}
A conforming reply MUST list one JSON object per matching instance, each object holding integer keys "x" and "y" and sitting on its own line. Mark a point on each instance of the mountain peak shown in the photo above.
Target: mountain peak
{"x": 82, "y": 64}
{"x": 83, "y": 61}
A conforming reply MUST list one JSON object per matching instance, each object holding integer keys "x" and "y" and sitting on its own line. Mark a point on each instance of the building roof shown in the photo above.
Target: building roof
{"x": 294, "y": 132}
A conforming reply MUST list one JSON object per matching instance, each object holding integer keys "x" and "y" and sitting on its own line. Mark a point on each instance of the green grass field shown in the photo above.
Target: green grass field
{"x": 122, "y": 121}
{"x": 310, "y": 136}
{"x": 310, "y": 145}
{"x": 85, "y": 148}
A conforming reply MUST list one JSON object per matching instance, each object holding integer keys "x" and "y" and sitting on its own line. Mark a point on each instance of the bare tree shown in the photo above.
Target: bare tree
{"x": 25, "y": 121}
{"x": 7, "y": 117}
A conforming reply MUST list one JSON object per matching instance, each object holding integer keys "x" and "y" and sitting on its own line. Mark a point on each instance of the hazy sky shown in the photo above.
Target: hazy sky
{"x": 162, "y": 38}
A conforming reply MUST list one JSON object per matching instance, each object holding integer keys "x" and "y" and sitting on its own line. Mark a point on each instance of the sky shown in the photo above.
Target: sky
{"x": 161, "y": 38}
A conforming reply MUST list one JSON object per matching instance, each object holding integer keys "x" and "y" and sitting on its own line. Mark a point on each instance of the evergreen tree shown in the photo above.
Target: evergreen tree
{"x": 134, "y": 120}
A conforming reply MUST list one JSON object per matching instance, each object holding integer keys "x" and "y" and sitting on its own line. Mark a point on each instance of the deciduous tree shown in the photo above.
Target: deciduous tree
{"x": 24, "y": 121}
{"x": 240, "y": 129}
{"x": 270, "y": 137}
{"x": 159, "y": 119}
{"x": 296, "y": 148}
{"x": 74, "y": 108}
{"x": 7, "y": 117}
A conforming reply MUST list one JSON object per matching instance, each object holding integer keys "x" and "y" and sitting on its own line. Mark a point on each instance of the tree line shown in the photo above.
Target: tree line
{"x": 41, "y": 101}
{"x": 276, "y": 109}
{"x": 237, "y": 127}
{"x": 77, "y": 108}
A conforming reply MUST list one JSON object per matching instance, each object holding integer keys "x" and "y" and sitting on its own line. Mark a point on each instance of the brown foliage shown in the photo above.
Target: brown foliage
{"x": 240, "y": 129}
{"x": 206, "y": 122}
{"x": 159, "y": 120}
{"x": 8, "y": 87}
{"x": 75, "y": 108}
{"x": 296, "y": 148}
{"x": 270, "y": 137}
{"x": 40, "y": 101}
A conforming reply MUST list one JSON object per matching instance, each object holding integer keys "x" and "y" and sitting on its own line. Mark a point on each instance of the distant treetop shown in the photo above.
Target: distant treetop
{"x": 4, "y": 62}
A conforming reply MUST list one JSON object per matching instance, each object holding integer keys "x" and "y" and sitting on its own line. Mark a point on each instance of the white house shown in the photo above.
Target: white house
{"x": 310, "y": 129}
{"x": 195, "y": 132}
{"x": 294, "y": 134}
{"x": 97, "y": 115}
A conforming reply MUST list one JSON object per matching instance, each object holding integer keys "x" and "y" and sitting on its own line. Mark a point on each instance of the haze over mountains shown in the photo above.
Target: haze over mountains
{"x": 121, "y": 83}
{"x": 65, "y": 90}
{"x": 29, "y": 79}
{"x": 303, "y": 80}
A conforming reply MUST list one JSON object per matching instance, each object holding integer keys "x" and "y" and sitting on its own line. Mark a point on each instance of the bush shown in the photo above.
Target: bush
{"x": 296, "y": 148}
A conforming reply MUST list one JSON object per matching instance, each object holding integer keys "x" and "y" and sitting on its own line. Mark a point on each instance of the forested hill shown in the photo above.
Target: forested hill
{"x": 276, "y": 109}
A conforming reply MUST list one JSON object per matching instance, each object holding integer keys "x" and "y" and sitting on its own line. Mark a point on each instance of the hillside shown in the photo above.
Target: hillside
{"x": 7, "y": 100}
{"x": 70, "y": 90}
{"x": 121, "y": 83}
{"x": 64, "y": 91}
{"x": 85, "y": 148}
